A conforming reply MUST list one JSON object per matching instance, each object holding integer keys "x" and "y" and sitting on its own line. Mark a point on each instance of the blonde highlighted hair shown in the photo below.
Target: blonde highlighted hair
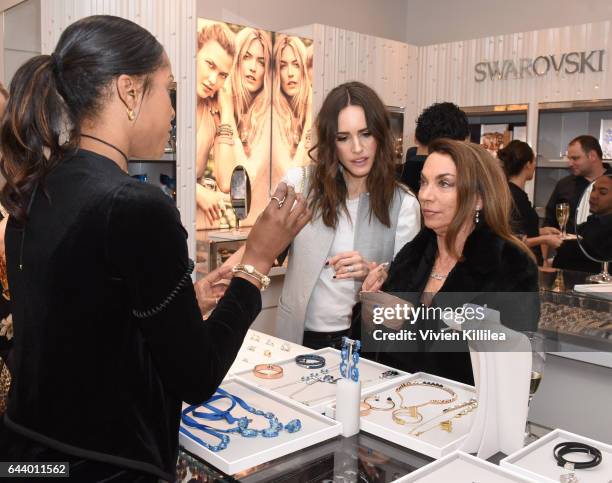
{"x": 250, "y": 109}
{"x": 292, "y": 111}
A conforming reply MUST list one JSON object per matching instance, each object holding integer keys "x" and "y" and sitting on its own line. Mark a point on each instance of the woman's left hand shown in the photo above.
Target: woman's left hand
{"x": 349, "y": 265}
{"x": 211, "y": 288}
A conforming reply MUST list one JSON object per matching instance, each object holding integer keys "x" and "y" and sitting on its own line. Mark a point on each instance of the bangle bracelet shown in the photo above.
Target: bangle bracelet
{"x": 562, "y": 449}
{"x": 310, "y": 361}
{"x": 268, "y": 371}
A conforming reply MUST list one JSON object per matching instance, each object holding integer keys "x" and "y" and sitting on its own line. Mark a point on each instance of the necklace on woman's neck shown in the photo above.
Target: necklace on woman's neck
{"x": 437, "y": 276}
{"x": 107, "y": 144}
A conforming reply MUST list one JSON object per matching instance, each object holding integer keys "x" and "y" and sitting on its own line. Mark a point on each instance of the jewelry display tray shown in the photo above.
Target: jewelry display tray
{"x": 435, "y": 443}
{"x": 257, "y": 356}
{"x": 536, "y": 460}
{"x": 319, "y": 395}
{"x": 460, "y": 467}
{"x": 243, "y": 453}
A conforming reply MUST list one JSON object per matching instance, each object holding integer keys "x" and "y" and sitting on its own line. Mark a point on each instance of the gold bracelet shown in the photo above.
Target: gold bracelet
{"x": 369, "y": 407}
{"x": 268, "y": 371}
{"x": 447, "y": 425}
{"x": 406, "y": 412}
{"x": 225, "y": 129}
{"x": 413, "y": 410}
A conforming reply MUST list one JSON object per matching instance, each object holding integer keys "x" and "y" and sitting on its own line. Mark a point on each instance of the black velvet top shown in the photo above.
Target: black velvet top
{"x": 89, "y": 378}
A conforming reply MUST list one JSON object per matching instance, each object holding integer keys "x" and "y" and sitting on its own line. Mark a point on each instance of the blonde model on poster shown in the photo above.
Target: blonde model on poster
{"x": 215, "y": 57}
{"x": 292, "y": 100}
{"x": 248, "y": 97}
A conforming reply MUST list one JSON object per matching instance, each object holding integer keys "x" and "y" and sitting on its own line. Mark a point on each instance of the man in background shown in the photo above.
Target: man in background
{"x": 585, "y": 163}
{"x": 440, "y": 120}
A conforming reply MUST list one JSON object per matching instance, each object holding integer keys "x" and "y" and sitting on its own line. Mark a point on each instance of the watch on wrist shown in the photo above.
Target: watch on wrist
{"x": 252, "y": 272}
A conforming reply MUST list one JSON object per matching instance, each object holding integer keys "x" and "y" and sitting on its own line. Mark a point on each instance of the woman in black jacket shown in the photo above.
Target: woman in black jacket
{"x": 465, "y": 254}
{"x": 518, "y": 162}
{"x": 109, "y": 337}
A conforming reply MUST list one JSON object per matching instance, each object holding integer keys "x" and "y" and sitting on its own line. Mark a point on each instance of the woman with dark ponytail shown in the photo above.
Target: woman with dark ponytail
{"x": 518, "y": 162}
{"x": 108, "y": 332}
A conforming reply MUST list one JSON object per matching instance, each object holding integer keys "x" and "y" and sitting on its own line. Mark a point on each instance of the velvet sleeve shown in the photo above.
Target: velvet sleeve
{"x": 147, "y": 248}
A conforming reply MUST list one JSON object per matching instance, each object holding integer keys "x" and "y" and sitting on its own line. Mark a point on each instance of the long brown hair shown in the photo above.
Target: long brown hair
{"x": 328, "y": 190}
{"x": 478, "y": 174}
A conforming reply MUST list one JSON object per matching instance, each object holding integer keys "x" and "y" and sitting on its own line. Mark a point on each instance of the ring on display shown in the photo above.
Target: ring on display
{"x": 255, "y": 337}
{"x": 268, "y": 353}
{"x": 270, "y": 342}
{"x": 285, "y": 347}
{"x": 268, "y": 371}
{"x": 251, "y": 348}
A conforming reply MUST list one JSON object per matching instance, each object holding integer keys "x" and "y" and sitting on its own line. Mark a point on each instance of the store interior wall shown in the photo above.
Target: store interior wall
{"x": 441, "y": 21}
{"x": 379, "y": 18}
{"x": 20, "y": 36}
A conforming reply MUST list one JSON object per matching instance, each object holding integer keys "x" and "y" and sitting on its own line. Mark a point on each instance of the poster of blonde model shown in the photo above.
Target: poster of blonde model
{"x": 291, "y": 104}
{"x": 233, "y": 119}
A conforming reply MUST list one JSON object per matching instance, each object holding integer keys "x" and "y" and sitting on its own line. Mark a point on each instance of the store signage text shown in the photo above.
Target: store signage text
{"x": 568, "y": 63}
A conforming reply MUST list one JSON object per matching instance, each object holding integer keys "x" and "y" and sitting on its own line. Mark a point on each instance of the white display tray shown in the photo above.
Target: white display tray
{"x": 254, "y": 351}
{"x": 435, "y": 443}
{"x": 460, "y": 467}
{"x": 243, "y": 453}
{"x": 601, "y": 290}
{"x": 536, "y": 461}
{"x": 319, "y": 395}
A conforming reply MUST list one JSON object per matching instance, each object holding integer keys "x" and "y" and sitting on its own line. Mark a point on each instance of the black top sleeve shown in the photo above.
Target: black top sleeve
{"x": 147, "y": 246}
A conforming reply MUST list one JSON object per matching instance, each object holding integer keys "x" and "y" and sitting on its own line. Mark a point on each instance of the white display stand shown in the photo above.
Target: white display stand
{"x": 536, "y": 460}
{"x": 435, "y": 443}
{"x": 243, "y": 453}
{"x": 319, "y": 395}
{"x": 502, "y": 374}
{"x": 459, "y": 467}
{"x": 260, "y": 348}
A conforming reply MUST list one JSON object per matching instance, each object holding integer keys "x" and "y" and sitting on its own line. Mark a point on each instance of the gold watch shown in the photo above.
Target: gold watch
{"x": 252, "y": 272}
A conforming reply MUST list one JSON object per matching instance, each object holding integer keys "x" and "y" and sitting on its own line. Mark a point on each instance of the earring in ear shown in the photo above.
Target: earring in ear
{"x": 130, "y": 114}
{"x": 477, "y": 216}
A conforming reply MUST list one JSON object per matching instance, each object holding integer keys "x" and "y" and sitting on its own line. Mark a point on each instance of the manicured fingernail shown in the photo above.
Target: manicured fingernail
{"x": 334, "y": 276}
{"x": 326, "y": 263}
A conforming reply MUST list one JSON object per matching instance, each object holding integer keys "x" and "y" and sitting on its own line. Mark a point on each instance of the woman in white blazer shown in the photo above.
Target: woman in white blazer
{"x": 361, "y": 217}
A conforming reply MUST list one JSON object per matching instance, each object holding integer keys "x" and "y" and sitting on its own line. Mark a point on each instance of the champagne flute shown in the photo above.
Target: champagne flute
{"x": 562, "y": 212}
{"x": 538, "y": 358}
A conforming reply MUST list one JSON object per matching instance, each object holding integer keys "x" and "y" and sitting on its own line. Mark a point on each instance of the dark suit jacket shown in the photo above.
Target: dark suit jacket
{"x": 492, "y": 271}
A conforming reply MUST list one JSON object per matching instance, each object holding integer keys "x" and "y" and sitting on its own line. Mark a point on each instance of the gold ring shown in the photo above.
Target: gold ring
{"x": 279, "y": 201}
{"x": 268, "y": 353}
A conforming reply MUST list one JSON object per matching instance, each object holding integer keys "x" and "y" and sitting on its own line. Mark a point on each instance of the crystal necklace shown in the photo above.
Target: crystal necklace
{"x": 189, "y": 415}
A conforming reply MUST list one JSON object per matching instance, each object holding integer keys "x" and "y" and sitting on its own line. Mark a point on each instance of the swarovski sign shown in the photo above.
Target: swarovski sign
{"x": 568, "y": 63}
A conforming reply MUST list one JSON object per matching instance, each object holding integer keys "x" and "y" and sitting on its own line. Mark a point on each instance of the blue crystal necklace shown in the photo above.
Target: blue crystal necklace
{"x": 189, "y": 415}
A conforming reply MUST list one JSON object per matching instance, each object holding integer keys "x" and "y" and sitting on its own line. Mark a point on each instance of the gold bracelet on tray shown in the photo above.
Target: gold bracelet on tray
{"x": 268, "y": 371}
